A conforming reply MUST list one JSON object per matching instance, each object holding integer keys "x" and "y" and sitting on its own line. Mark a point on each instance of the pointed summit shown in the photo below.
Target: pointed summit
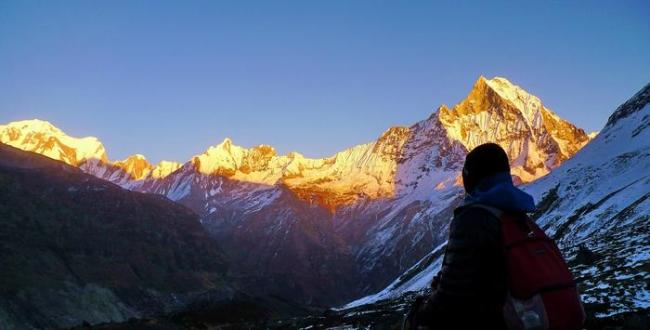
{"x": 138, "y": 156}
{"x": 136, "y": 166}
{"x": 527, "y": 103}
{"x": 501, "y": 97}
{"x": 496, "y": 110}
{"x": 227, "y": 142}
{"x": 500, "y": 91}
{"x": 223, "y": 159}
{"x": 481, "y": 80}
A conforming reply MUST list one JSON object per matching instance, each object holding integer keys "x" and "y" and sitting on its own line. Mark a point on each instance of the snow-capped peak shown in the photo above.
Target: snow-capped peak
{"x": 35, "y": 125}
{"x": 536, "y": 139}
{"x": 223, "y": 158}
{"x": 400, "y": 161}
{"x": 528, "y": 104}
{"x": 226, "y": 143}
{"x": 44, "y": 138}
{"x": 165, "y": 168}
{"x": 137, "y": 156}
{"x": 136, "y": 166}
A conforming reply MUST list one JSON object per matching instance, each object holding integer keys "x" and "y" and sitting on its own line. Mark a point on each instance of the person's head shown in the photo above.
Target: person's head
{"x": 482, "y": 162}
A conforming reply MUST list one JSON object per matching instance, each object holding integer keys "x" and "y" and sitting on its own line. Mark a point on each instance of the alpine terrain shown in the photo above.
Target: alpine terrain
{"x": 323, "y": 232}
{"x": 596, "y": 205}
{"x": 76, "y": 249}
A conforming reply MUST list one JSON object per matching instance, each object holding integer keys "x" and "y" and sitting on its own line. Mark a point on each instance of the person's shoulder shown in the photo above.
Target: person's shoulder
{"x": 477, "y": 210}
{"x": 475, "y": 214}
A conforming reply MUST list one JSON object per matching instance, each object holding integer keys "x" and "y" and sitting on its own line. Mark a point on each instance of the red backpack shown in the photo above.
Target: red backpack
{"x": 541, "y": 290}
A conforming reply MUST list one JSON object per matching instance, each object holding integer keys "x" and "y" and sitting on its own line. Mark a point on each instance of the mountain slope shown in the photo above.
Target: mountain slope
{"x": 597, "y": 206}
{"x": 367, "y": 213}
{"x": 75, "y": 248}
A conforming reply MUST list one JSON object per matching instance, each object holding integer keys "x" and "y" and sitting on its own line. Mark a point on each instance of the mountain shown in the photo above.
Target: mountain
{"x": 43, "y": 138}
{"x": 74, "y": 248}
{"x": 324, "y": 231}
{"x": 131, "y": 172}
{"x": 537, "y": 139}
{"x": 495, "y": 110}
{"x": 87, "y": 153}
{"x": 596, "y": 205}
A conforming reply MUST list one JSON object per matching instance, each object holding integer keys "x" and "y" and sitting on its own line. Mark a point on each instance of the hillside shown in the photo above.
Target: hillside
{"x": 75, "y": 248}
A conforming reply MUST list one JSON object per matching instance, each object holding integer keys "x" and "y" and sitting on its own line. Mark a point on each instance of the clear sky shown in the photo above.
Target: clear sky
{"x": 168, "y": 79}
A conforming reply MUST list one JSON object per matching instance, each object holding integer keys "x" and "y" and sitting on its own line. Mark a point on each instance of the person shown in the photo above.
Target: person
{"x": 470, "y": 290}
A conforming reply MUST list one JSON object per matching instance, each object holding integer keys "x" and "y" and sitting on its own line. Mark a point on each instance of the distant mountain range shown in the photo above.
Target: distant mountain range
{"x": 323, "y": 232}
{"x": 368, "y": 223}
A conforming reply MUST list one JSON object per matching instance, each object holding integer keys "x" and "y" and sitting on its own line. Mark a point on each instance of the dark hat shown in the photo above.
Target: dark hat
{"x": 482, "y": 162}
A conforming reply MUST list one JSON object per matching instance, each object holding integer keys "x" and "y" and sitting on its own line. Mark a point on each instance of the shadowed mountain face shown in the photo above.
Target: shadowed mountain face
{"x": 75, "y": 248}
{"x": 324, "y": 231}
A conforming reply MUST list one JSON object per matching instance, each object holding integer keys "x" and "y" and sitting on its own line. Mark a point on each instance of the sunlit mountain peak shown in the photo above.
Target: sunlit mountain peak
{"x": 402, "y": 161}
{"x": 44, "y": 138}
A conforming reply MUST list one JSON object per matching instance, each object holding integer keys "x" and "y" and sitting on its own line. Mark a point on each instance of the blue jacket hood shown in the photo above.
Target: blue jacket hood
{"x": 498, "y": 191}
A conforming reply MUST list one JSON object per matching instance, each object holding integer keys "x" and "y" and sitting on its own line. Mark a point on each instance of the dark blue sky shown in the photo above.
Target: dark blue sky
{"x": 168, "y": 79}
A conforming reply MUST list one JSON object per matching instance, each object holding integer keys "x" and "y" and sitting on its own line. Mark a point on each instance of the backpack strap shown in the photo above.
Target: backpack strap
{"x": 509, "y": 221}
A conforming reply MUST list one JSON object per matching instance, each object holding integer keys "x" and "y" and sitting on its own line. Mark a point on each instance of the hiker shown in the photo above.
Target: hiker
{"x": 486, "y": 282}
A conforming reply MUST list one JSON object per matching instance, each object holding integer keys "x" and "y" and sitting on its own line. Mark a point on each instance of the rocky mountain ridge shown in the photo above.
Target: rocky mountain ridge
{"x": 495, "y": 110}
{"x": 353, "y": 221}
